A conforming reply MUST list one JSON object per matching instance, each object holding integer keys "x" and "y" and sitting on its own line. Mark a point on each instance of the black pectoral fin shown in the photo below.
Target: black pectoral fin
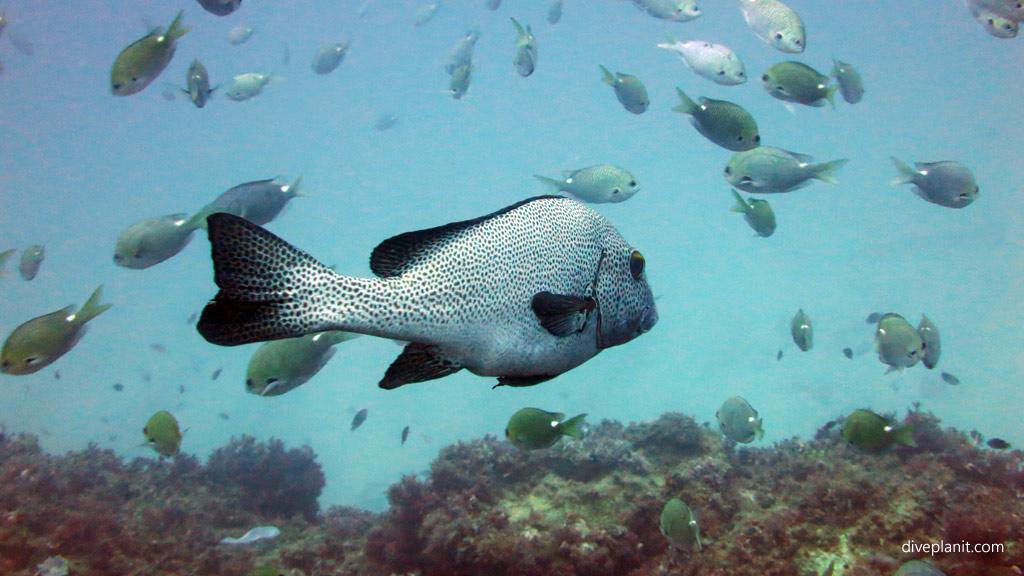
{"x": 520, "y": 381}
{"x": 563, "y": 315}
{"x": 417, "y": 363}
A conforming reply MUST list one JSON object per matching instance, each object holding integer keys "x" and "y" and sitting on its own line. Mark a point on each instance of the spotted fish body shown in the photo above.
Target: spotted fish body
{"x": 775, "y": 23}
{"x": 523, "y": 294}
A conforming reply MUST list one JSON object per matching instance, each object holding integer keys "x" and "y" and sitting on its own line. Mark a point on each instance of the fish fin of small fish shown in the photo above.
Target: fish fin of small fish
{"x": 791, "y": 107}
{"x": 417, "y": 363}
{"x": 906, "y": 173}
{"x": 198, "y": 220}
{"x": 826, "y": 170}
{"x": 523, "y": 381}
{"x": 830, "y": 93}
{"x": 295, "y": 190}
{"x": 176, "y": 30}
{"x": 92, "y": 308}
{"x": 522, "y": 33}
{"x": 831, "y": 565}
{"x": 4, "y": 273}
{"x": 903, "y": 436}
{"x": 686, "y": 105}
{"x": 255, "y": 302}
{"x": 741, "y": 204}
{"x": 894, "y": 369}
{"x": 394, "y": 255}
{"x": 562, "y": 315}
{"x": 551, "y": 181}
{"x": 572, "y": 426}
{"x": 609, "y": 78}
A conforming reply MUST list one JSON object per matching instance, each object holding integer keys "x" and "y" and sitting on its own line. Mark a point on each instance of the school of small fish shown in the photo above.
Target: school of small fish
{"x": 579, "y": 287}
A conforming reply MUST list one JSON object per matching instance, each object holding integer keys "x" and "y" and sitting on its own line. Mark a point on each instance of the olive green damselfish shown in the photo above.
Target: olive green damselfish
{"x": 141, "y": 62}
{"x": 42, "y": 340}
{"x": 679, "y": 525}
{"x": 757, "y": 213}
{"x": 799, "y": 83}
{"x": 802, "y": 331}
{"x": 162, "y": 433}
{"x": 724, "y": 123}
{"x": 279, "y": 366}
{"x": 873, "y": 434}
{"x": 535, "y": 429}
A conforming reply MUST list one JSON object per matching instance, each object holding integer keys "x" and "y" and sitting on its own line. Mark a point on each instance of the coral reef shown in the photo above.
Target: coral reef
{"x": 587, "y": 507}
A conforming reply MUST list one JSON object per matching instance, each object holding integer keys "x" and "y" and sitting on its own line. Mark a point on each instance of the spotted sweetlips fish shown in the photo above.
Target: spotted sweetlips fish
{"x": 525, "y": 294}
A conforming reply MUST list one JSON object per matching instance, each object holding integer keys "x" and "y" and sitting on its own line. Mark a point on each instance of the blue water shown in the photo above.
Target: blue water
{"x": 78, "y": 166}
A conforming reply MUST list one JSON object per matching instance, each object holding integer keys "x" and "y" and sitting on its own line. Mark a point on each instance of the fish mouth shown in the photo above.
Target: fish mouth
{"x": 648, "y": 319}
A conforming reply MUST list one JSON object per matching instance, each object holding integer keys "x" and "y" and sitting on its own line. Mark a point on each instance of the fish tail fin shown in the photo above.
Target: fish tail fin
{"x": 758, "y": 430}
{"x": 830, "y": 94}
{"x": 557, "y": 184}
{"x": 904, "y": 437}
{"x": 519, "y": 29}
{"x": 906, "y": 173}
{"x": 573, "y": 426}
{"x": 741, "y": 204}
{"x": 92, "y": 307}
{"x": 295, "y": 190}
{"x": 176, "y": 30}
{"x": 826, "y": 170}
{"x": 609, "y": 78}
{"x": 198, "y": 220}
{"x": 4, "y": 273}
{"x": 686, "y": 105}
{"x": 264, "y": 286}
{"x": 835, "y": 68}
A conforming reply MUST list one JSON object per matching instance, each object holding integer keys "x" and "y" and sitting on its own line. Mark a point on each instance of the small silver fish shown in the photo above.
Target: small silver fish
{"x": 555, "y": 11}
{"x": 31, "y": 260}
{"x": 994, "y": 24}
{"x": 240, "y": 35}
{"x": 552, "y": 283}
{"x": 671, "y": 10}
{"x": 425, "y": 14}
{"x": 246, "y": 86}
{"x": 712, "y": 61}
{"x": 776, "y": 24}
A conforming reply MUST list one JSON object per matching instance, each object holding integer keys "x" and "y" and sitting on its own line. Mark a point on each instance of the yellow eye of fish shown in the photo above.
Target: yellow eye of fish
{"x": 636, "y": 264}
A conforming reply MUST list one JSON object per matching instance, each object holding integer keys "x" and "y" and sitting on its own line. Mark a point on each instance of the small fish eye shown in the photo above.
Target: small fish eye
{"x": 778, "y": 36}
{"x": 632, "y": 183}
{"x": 636, "y": 264}
{"x": 764, "y": 77}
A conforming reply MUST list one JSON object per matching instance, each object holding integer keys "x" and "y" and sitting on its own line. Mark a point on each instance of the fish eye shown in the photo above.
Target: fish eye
{"x": 632, "y": 183}
{"x": 764, "y": 77}
{"x": 636, "y": 264}
{"x": 778, "y": 36}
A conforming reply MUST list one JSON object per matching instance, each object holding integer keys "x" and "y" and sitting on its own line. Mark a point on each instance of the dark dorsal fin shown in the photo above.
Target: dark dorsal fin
{"x": 417, "y": 363}
{"x": 394, "y": 255}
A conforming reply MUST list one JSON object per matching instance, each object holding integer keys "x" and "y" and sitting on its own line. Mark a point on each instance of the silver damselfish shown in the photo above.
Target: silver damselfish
{"x": 524, "y": 294}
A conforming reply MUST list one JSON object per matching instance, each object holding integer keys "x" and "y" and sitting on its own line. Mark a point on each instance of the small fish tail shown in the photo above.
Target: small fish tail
{"x": 573, "y": 426}
{"x": 519, "y": 29}
{"x": 609, "y": 78}
{"x": 830, "y": 94}
{"x": 826, "y": 170}
{"x": 198, "y": 220}
{"x": 686, "y": 105}
{"x": 263, "y": 284}
{"x": 4, "y": 273}
{"x": 176, "y": 30}
{"x": 92, "y": 307}
{"x": 741, "y": 204}
{"x": 903, "y": 436}
{"x": 556, "y": 183}
{"x": 295, "y": 190}
{"x": 906, "y": 173}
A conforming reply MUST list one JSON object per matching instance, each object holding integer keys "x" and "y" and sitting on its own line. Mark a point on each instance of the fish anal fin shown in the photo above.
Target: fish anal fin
{"x": 521, "y": 381}
{"x": 417, "y": 363}
{"x": 562, "y": 315}
{"x": 399, "y": 253}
